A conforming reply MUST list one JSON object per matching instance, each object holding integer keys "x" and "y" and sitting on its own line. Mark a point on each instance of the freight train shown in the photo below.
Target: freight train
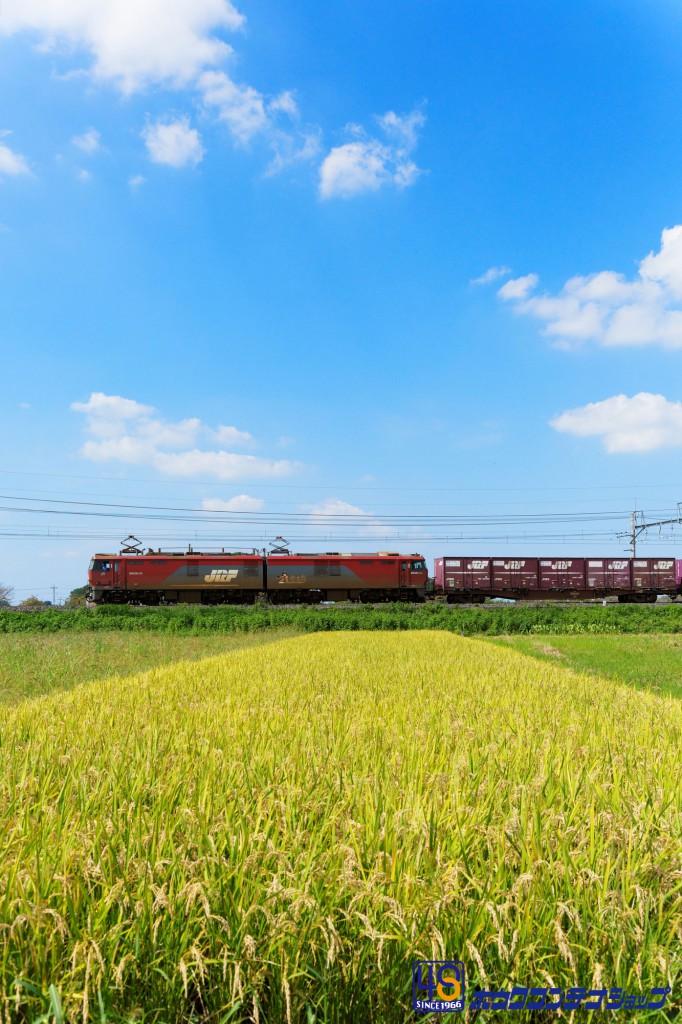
{"x": 281, "y": 577}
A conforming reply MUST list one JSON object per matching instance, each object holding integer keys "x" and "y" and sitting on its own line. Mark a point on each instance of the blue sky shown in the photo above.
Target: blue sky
{"x": 241, "y": 252}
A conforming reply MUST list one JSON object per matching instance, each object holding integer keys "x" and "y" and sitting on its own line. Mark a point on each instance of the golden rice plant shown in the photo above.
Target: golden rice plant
{"x": 275, "y": 834}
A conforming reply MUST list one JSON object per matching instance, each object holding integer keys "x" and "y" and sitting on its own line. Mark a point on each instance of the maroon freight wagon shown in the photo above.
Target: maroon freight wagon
{"x": 465, "y": 579}
{"x": 562, "y": 574}
{"x": 608, "y": 575}
{"x": 515, "y": 576}
{"x": 654, "y": 574}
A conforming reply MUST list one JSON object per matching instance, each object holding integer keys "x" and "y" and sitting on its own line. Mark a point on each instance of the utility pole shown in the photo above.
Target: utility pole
{"x": 638, "y": 524}
{"x": 54, "y": 593}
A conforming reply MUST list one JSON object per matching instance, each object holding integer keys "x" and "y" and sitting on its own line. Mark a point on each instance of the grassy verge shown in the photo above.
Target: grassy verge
{"x": 275, "y": 834}
{"x": 650, "y": 662}
{"x": 32, "y": 664}
{"x": 491, "y": 619}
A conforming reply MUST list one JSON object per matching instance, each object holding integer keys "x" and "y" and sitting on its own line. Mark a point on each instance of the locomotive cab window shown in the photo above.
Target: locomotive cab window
{"x": 99, "y": 565}
{"x": 417, "y": 566}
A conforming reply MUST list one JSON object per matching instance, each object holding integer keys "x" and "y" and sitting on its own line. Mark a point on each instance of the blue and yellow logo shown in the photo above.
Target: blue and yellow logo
{"x": 438, "y": 986}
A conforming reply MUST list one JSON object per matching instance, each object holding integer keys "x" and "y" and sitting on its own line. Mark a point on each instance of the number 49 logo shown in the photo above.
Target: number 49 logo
{"x": 438, "y": 986}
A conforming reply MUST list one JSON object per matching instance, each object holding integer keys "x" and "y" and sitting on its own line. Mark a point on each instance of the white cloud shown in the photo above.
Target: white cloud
{"x": 353, "y": 168}
{"x": 643, "y": 423}
{"x": 132, "y": 450}
{"x": 368, "y": 164}
{"x": 492, "y": 274}
{"x": 141, "y": 44}
{"x": 240, "y": 503}
{"x": 336, "y": 514}
{"x": 124, "y": 430}
{"x": 173, "y": 142}
{"x": 404, "y": 130}
{"x": 136, "y": 180}
{"x": 608, "y": 308}
{"x": 248, "y": 114}
{"x": 136, "y": 45}
{"x": 518, "y": 287}
{"x": 221, "y": 465}
{"x": 240, "y": 107}
{"x": 133, "y": 43}
{"x": 83, "y": 175}
{"x": 12, "y": 164}
{"x": 291, "y": 148}
{"x": 112, "y": 407}
{"x": 336, "y": 507}
{"x": 161, "y": 434}
{"x": 89, "y": 142}
{"x": 284, "y": 103}
{"x": 230, "y": 435}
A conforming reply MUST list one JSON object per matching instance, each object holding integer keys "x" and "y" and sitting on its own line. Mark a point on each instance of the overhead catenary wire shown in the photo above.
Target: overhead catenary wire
{"x": 630, "y": 487}
{"x": 125, "y": 510}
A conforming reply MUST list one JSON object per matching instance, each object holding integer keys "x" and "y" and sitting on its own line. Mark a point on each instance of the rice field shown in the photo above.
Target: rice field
{"x": 276, "y": 833}
{"x": 35, "y": 664}
{"x": 649, "y": 661}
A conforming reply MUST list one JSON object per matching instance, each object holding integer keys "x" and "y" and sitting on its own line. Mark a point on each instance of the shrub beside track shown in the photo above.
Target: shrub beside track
{"x": 495, "y": 620}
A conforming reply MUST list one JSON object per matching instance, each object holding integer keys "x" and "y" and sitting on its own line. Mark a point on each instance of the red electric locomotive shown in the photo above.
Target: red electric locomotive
{"x": 158, "y": 577}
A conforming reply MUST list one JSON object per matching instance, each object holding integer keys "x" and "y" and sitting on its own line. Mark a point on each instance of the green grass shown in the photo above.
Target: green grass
{"x": 649, "y": 662}
{"x": 495, "y": 620}
{"x": 276, "y": 833}
{"x": 33, "y": 664}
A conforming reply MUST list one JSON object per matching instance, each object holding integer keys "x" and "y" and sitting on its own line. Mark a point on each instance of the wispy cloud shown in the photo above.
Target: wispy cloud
{"x": 240, "y": 503}
{"x": 608, "y": 308}
{"x": 492, "y": 274}
{"x": 643, "y": 423}
{"x": 12, "y": 164}
{"x": 132, "y": 43}
{"x": 369, "y": 163}
{"x": 137, "y": 45}
{"x": 143, "y": 45}
{"x": 88, "y": 142}
{"x": 173, "y": 142}
{"x": 126, "y": 431}
{"x": 335, "y": 515}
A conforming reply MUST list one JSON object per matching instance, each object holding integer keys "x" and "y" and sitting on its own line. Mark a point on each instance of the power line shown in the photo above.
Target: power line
{"x": 261, "y": 517}
{"x": 28, "y": 491}
{"x": 629, "y": 487}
